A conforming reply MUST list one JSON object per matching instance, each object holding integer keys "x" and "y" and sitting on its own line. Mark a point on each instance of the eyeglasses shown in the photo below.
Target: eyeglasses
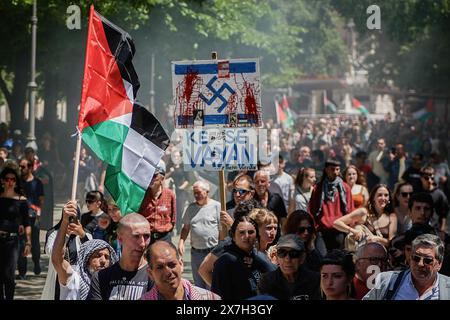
{"x": 375, "y": 260}
{"x": 293, "y": 254}
{"x": 8, "y": 179}
{"x": 406, "y": 194}
{"x": 303, "y": 229}
{"x": 241, "y": 192}
{"x": 426, "y": 260}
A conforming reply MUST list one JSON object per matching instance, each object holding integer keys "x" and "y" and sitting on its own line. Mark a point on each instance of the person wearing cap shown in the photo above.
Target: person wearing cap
{"x": 159, "y": 206}
{"x": 291, "y": 280}
{"x": 331, "y": 198}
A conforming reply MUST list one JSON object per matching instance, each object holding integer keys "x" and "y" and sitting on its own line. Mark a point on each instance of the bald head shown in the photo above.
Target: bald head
{"x": 161, "y": 248}
{"x": 130, "y": 220}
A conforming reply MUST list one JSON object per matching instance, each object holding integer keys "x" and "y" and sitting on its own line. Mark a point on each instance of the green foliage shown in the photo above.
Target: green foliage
{"x": 292, "y": 38}
{"x": 413, "y": 46}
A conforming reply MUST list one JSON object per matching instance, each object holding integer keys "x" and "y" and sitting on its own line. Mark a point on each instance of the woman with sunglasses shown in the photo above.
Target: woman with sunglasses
{"x": 356, "y": 181}
{"x": 304, "y": 182}
{"x": 336, "y": 275}
{"x": 377, "y": 216}
{"x": 97, "y": 207}
{"x": 292, "y": 280}
{"x": 13, "y": 221}
{"x": 238, "y": 270}
{"x": 402, "y": 194}
{"x": 300, "y": 223}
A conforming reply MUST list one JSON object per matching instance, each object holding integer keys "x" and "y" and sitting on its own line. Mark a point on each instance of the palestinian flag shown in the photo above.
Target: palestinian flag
{"x": 289, "y": 123}
{"x": 330, "y": 106}
{"x": 359, "y": 107}
{"x": 425, "y": 113}
{"x": 120, "y": 131}
{"x": 281, "y": 116}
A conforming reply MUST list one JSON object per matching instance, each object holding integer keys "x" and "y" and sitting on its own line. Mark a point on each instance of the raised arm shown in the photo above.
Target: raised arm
{"x": 61, "y": 265}
{"x": 348, "y": 221}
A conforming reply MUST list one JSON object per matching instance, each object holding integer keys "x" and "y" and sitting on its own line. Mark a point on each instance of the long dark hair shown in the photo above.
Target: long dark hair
{"x": 293, "y": 221}
{"x": 18, "y": 188}
{"x": 96, "y": 195}
{"x": 396, "y": 203}
{"x": 341, "y": 258}
{"x": 301, "y": 175}
{"x": 371, "y": 203}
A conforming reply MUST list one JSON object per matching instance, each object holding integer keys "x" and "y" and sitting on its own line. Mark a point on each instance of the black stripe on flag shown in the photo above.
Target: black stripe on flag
{"x": 145, "y": 123}
{"x": 122, "y": 47}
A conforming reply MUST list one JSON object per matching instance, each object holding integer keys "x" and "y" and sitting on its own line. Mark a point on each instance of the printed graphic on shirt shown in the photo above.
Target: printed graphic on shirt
{"x": 123, "y": 289}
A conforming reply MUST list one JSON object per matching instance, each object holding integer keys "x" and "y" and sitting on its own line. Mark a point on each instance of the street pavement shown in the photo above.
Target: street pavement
{"x": 31, "y": 287}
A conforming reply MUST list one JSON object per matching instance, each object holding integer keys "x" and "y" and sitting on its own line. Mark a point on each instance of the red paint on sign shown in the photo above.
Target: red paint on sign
{"x": 250, "y": 101}
{"x": 189, "y": 82}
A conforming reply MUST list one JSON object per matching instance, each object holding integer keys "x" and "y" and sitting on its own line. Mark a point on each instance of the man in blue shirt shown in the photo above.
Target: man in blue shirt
{"x": 421, "y": 281}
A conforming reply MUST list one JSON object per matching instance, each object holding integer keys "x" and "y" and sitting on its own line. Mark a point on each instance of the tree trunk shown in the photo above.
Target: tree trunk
{"x": 19, "y": 93}
{"x": 50, "y": 98}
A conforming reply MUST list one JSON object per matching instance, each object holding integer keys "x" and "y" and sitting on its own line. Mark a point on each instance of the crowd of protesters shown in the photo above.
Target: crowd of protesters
{"x": 352, "y": 200}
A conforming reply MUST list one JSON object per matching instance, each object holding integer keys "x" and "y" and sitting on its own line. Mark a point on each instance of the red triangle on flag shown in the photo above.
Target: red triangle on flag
{"x": 284, "y": 102}
{"x": 104, "y": 95}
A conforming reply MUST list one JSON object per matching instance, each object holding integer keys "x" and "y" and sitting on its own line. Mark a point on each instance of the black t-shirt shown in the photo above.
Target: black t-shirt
{"x": 33, "y": 190}
{"x": 275, "y": 204}
{"x": 114, "y": 283}
{"x": 13, "y": 212}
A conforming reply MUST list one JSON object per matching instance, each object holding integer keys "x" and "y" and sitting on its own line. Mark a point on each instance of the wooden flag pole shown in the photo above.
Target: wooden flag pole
{"x": 78, "y": 148}
{"x": 223, "y": 197}
{"x": 75, "y": 168}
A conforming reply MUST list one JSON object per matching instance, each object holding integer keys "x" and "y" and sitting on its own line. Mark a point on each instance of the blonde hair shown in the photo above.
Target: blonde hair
{"x": 263, "y": 216}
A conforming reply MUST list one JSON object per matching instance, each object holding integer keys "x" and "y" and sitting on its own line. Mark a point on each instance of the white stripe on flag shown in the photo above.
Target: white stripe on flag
{"x": 139, "y": 158}
{"x": 129, "y": 89}
{"x": 123, "y": 119}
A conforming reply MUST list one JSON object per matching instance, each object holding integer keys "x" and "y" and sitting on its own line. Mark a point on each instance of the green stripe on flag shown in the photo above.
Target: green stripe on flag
{"x": 363, "y": 109}
{"x": 127, "y": 194}
{"x": 106, "y": 140}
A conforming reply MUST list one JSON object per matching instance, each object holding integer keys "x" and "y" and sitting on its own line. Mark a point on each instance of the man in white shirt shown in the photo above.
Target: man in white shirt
{"x": 285, "y": 181}
{"x": 202, "y": 219}
{"x": 375, "y": 161}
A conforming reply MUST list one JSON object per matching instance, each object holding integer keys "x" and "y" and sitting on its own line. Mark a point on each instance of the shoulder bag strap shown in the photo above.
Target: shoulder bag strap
{"x": 392, "y": 290}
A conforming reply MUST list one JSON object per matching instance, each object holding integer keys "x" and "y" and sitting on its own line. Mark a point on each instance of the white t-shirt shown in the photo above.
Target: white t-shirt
{"x": 287, "y": 186}
{"x": 204, "y": 224}
{"x": 71, "y": 291}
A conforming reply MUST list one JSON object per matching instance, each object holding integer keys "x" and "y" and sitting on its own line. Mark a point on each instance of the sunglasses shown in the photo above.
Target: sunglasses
{"x": 293, "y": 254}
{"x": 241, "y": 192}
{"x": 406, "y": 194}
{"x": 427, "y": 177}
{"x": 303, "y": 229}
{"x": 426, "y": 260}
